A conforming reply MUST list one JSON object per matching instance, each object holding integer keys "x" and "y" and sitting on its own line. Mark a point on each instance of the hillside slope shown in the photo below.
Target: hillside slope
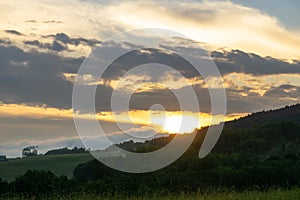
{"x": 258, "y": 151}
{"x": 58, "y": 164}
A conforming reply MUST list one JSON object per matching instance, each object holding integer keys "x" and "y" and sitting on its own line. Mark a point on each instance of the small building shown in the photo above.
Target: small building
{"x": 30, "y": 151}
{"x": 2, "y": 158}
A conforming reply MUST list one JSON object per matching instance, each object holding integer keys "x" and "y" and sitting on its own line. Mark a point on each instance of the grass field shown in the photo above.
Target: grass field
{"x": 246, "y": 195}
{"x": 58, "y": 164}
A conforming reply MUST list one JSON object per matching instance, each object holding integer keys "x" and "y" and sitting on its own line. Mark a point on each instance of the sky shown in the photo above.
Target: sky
{"x": 287, "y": 12}
{"x": 254, "y": 44}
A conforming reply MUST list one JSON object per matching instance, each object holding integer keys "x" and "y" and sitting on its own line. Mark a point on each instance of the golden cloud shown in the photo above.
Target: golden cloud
{"x": 216, "y": 23}
{"x": 161, "y": 121}
{"x": 219, "y": 24}
{"x": 259, "y": 84}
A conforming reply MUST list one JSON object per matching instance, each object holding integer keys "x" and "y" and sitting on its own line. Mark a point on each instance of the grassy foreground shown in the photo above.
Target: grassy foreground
{"x": 293, "y": 194}
{"x": 63, "y": 164}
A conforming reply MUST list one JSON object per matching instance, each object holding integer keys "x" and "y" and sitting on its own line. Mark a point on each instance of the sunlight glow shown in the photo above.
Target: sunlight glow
{"x": 161, "y": 121}
{"x": 181, "y": 124}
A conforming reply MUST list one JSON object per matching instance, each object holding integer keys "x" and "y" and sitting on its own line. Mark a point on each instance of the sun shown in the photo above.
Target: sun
{"x": 180, "y": 124}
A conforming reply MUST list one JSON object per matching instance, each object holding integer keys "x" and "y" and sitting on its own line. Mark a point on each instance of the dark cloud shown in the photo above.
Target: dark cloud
{"x": 39, "y": 82}
{"x": 167, "y": 98}
{"x": 60, "y": 42}
{"x": 139, "y": 57}
{"x": 14, "y": 32}
{"x": 45, "y": 22}
{"x": 54, "y": 46}
{"x": 249, "y": 63}
{"x": 144, "y": 100}
{"x": 284, "y": 91}
{"x": 235, "y": 61}
{"x": 34, "y": 43}
{"x": 31, "y": 21}
{"x": 5, "y": 42}
{"x": 64, "y": 38}
{"x": 253, "y": 102}
{"x": 226, "y": 61}
{"x": 52, "y": 22}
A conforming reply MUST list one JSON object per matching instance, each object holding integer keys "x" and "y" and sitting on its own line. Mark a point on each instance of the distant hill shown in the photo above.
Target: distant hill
{"x": 65, "y": 150}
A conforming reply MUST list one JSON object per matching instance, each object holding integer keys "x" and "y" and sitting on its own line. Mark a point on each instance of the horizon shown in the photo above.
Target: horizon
{"x": 162, "y": 135}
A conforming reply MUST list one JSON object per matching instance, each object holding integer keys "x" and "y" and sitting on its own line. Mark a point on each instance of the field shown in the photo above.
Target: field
{"x": 246, "y": 195}
{"x": 58, "y": 164}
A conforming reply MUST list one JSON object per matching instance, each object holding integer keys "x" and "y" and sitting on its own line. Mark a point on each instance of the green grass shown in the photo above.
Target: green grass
{"x": 58, "y": 164}
{"x": 246, "y": 195}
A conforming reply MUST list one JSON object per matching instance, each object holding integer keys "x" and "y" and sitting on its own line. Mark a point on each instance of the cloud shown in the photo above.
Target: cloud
{"x": 52, "y": 22}
{"x": 45, "y": 22}
{"x": 54, "y": 46}
{"x": 31, "y": 21}
{"x": 152, "y": 118}
{"x": 284, "y": 92}
{"x": 250, "y": 63}
{"x": 61, "y": 42}
{"x": 35, "y": 78}
{"x": 258, "y": 83}
{"x": 14, "y": 32}
{"x": 217, "y": 23}
{"x": 245, "y": 76}
{"x": 45, "y": 17}
{"x": 64, "y": 38}
{"x": 38, "y": 78}
{"x": 4, "y": 42}
{"x": 34, "y": 112}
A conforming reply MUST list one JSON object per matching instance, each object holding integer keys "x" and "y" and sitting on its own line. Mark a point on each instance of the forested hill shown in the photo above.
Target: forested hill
{"x": 257, "y": 132}
{"x": 258, "y": 151}
{"x": 288, "y": 113}
{"x": 267, "y": 133}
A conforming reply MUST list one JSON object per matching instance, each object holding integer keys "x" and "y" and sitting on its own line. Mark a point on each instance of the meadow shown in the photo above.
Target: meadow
{"x": 275, "y": 194}
{"x": 58, "y": 164}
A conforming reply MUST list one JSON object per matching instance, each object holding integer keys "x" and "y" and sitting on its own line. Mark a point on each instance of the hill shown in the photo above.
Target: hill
{"x": 259, "y": 151}
{"x": 287, "y": 113}
{"x": 58, "y": 164}
{"x": 262, "y": 133}
{"x": 65, "y": 150}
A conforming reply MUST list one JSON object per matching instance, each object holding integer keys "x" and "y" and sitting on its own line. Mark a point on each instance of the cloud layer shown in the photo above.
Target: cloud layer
{"x": 47, "y": 79}
{"x": 218, "y": 24}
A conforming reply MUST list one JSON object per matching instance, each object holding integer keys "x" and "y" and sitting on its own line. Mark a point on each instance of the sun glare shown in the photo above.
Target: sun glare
{"x": 180, "y": 124}
{"x": 161, "y": 121}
